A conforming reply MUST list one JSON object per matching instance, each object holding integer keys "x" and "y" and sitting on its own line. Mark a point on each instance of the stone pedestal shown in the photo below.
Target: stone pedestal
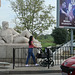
{"x": 6, "y": 50}
{"x": 21, "y": 52}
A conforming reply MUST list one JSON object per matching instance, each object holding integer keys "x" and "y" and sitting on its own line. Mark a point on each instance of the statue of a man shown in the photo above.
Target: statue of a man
{"x": 9, "y": 35}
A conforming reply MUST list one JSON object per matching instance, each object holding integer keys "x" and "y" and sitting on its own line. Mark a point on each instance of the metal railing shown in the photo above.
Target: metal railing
{"x": 20, "y": 56}
{"x": 58, "y": 56}
{"x": 62, "y": 53}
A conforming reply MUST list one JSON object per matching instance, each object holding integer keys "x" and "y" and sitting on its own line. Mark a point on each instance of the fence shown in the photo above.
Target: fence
{"x": 62, "y": 54}
{"x": 20, "y": 59}
{"x": 19, "y": 55}
{"x": 58, "y": 56}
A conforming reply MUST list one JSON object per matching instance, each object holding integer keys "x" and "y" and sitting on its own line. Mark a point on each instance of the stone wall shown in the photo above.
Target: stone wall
{"x": 6, "y": 52}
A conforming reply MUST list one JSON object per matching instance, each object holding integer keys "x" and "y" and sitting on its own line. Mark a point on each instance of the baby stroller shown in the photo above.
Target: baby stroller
{"x": 45, "y": 57}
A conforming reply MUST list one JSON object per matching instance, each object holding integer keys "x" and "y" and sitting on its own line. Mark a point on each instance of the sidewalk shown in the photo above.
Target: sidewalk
{"x": 31, "y": 70}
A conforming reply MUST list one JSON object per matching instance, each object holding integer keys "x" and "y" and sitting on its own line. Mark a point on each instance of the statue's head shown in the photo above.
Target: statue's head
{"x": 5, "y": 25}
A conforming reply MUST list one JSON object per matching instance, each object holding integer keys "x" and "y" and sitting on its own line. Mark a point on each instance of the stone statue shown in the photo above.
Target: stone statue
{"x": 9, "y": 35}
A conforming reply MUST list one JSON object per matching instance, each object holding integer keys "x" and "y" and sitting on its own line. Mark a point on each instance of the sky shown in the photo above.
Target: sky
{"x": 7, "y": 14}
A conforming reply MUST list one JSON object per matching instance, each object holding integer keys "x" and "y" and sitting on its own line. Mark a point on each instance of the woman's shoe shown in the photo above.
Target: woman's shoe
{"x": 26, "y": 65}
{"x": 36, "y": 64}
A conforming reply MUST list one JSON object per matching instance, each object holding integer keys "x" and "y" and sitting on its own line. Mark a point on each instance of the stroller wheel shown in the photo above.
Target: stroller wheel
{"x": 43, "y": 64}
{"x": 52, "y": 63}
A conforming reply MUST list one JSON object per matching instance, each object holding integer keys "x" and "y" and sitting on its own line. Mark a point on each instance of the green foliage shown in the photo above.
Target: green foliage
{"x": 60, "y": 35}
{"x": 69, "y": 34}
{"x": 46, "y": 40}
{"x": 74, "y": 33}
{"x": 0, "y": 27}
{"x": 33, "y": 14}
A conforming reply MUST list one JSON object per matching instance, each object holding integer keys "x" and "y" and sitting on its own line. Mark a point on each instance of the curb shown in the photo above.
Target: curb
{"x": 30, "y": 72}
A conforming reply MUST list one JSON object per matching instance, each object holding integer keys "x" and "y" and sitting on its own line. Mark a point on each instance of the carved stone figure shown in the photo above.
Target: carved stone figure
{"x": 9, "y": 35}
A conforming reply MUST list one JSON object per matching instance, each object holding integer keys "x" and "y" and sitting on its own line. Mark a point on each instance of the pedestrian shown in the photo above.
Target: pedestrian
{"x": 30, "y": 51}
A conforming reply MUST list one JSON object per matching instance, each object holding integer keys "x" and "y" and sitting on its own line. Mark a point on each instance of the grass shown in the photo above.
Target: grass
{"x": 47, "y": 41}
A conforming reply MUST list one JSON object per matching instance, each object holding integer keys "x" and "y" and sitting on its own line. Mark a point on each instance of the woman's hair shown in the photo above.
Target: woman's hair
{"x": 30, "y": 39}
{"x": 62, "y": 1}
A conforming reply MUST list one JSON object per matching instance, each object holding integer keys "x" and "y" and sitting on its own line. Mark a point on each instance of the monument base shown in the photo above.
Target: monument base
{"x": 21, "y": 52}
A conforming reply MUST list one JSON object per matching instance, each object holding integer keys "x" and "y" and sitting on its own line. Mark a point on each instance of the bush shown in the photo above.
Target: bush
{"x": 60, "y": 35}
{"x": 46, "y": 40}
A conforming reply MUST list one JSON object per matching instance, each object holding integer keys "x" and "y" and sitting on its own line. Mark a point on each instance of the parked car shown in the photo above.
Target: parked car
{"x": 68, "y": 66}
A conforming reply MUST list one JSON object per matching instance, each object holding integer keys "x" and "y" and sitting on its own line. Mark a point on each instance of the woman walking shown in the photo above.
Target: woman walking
{"x": 30, "y": 51}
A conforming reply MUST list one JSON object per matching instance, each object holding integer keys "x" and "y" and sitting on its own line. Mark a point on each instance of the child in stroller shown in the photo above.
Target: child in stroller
{"x": 46, "y": 57}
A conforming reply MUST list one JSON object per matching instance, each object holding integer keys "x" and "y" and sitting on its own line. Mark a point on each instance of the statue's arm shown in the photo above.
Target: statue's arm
{"x": 1, "y": 39}
{"x": 15, "y": 33}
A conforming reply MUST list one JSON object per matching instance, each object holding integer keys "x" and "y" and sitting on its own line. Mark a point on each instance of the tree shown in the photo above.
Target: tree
{"x": 73, "y": 33}
{"x": 60, "y": 35}
{"x": 33, "y": 15}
